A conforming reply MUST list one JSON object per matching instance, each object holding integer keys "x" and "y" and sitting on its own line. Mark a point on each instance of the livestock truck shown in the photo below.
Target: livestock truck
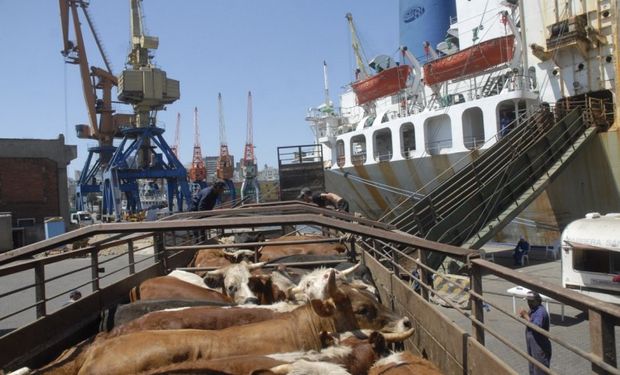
{"x": 462, "y": 325}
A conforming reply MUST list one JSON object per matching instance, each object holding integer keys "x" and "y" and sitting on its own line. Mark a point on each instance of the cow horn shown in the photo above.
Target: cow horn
{"x": 241, "y": 252}
{"x": 229, "y": 253}
{"x": 331, "y": 287}
{"x": 282, "y": 369}
{"x": 219, "y": 272}
{"x": 398, "y": 336}
{"x": 350, "y": 269}
{"x": 254, "y": 266}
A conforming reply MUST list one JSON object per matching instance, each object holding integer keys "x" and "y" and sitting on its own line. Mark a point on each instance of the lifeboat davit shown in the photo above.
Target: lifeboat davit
{"x": 384, "y": 83}
{"x": 470, "y": 60}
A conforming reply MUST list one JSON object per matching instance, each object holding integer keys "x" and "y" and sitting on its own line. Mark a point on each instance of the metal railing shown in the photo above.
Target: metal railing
{"x": 603, "y": 317}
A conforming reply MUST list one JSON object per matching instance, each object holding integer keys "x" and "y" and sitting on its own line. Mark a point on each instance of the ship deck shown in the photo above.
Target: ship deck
{"x": 573, "y": 328}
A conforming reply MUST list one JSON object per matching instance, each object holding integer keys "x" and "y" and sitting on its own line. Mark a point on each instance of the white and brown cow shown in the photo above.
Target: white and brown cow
{"x": 404, "y": 363}
{"x": 344, "y": 309}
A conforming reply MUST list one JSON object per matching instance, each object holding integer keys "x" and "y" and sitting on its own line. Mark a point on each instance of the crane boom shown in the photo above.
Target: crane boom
{"x": 357, "y": 48}
{"x": 175, "y": 146}
{"x": 224, "y": 166}
{"x": 198, "y": 171}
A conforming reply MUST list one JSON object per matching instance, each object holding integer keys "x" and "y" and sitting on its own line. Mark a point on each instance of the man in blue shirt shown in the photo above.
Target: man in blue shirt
{"x": 206, "y": 198}
{"x": 538, "y": 345}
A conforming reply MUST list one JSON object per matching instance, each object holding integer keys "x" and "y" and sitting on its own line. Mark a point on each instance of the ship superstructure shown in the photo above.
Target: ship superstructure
{"x": 493, "y": 71}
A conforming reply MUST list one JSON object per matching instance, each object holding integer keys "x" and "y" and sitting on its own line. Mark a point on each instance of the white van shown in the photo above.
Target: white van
{"x": 82, "y": 218}
{"x": 591, "y": 256}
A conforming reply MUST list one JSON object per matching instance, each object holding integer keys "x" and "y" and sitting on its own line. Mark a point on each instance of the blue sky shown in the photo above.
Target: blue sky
{"x": 275, "y": 48}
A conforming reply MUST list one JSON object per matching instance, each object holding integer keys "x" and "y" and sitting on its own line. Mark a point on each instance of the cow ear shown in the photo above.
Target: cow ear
{"x": 323, "y": 308}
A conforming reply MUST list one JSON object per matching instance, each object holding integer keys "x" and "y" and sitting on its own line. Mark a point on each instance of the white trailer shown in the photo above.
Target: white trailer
{"x": 591, "y": 256}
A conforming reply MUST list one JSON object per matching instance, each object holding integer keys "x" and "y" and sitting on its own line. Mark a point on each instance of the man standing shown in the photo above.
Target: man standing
{"x": 206, "y": 198}
{"x": 538, "y": 345}
{"x": 324, "y": 199}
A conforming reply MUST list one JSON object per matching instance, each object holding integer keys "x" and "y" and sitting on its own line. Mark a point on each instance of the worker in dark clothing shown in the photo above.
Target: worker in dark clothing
{"x": 324, "y": 199}
{"x": 206, "y": 198}
{"x": 522, "y": 248}
{"x": 538, "y": 345}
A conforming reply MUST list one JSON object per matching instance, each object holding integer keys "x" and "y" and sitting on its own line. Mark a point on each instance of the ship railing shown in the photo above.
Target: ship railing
{"x": 436, "y": 147}
{"x": 410, "y": 275}
{"x": 384, "y": 156}
{"x": 358, "y": 159}
{"x": 481, "y": 86}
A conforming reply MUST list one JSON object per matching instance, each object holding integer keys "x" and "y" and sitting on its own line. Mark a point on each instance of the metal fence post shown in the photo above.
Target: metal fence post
{"x": 477, "y": 305}
{"x": 602, "y": 337}
{"x": 424, "y": 275}
{"x": 94, "y": 269}
{"x": 352, "y": 250}
{"x": 160, "y": 250}
{"x": 132, "y": 266}
{"x": 39, "y": 289}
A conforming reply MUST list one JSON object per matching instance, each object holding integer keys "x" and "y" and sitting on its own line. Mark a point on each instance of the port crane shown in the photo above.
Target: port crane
{"x": 198, "y": 170}
{"x": 224, "y": 166}
{"x": 250, "y": 190}
{"x": 143, "y": 153}
{"x": 177, "y": 134}
{"x": 104, "y": 125}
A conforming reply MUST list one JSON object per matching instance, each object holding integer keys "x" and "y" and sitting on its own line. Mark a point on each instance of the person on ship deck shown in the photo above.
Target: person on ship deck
{"x": 324, "y": 199}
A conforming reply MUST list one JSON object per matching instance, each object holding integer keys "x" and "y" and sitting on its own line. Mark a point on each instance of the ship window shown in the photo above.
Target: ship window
{"x": 438, "y": 134}
{"x": 369, "y": 121}
{"x": 473, "y": 128}
{"x": 358, "y": 150}
{"x": 615, "y": 262}
{"x": 407, "y": 136}
{"x": 340, "y": 153}
{"x": 590, "y": 260}
{"x": 383, "y": 145}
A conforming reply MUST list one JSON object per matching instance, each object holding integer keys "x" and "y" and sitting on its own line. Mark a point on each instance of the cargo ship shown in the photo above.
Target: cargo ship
{"x": 484, "y": 74}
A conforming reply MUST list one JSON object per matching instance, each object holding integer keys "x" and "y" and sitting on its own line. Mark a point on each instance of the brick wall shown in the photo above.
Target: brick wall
{"x": 29, "y": 188}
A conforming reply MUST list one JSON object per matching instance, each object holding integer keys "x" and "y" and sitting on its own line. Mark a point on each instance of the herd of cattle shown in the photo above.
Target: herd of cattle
{"x": 248, "y": 318}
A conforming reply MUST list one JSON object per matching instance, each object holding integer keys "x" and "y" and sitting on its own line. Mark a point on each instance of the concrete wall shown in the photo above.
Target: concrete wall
{"x": 33, "y": 179}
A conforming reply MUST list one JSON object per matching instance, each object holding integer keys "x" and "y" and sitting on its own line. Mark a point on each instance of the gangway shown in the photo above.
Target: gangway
{"x": 474, "y": 204}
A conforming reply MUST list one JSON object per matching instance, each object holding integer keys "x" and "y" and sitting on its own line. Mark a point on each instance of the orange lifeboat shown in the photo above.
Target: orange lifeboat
{"x": 381, "y": 84}
{"x": 470, "y": 60}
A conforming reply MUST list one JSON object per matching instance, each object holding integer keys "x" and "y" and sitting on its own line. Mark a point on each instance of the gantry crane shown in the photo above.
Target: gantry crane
{"x": 198, "y": 170}
{"x": 177, "y": 134}
{"x": 97, "y": 86}
{"x": 224, "y": 167}
{"x": 250, "y": 191}
{"x": 148, "y": 90}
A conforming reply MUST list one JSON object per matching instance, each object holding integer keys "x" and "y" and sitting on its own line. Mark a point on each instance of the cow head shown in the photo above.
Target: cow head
{"x": 236, "y": 278}
{"x": 366, "y": 310}
{"x": 239, "y": 255}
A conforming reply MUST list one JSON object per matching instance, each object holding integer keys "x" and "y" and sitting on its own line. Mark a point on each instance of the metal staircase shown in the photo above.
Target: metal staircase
{"x": 475, "y": 203}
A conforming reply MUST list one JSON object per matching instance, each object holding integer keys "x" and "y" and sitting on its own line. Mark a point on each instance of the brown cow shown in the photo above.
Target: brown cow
{"x": 220, "y": 257}
{"x": 202, "y": 317}
{"x": 353, "y": 354}
{"x": 404, "y": 363}
{"x": 345, "y": 309}
{"x": 169, "y": 287}
{"x": 271, "y": 252}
